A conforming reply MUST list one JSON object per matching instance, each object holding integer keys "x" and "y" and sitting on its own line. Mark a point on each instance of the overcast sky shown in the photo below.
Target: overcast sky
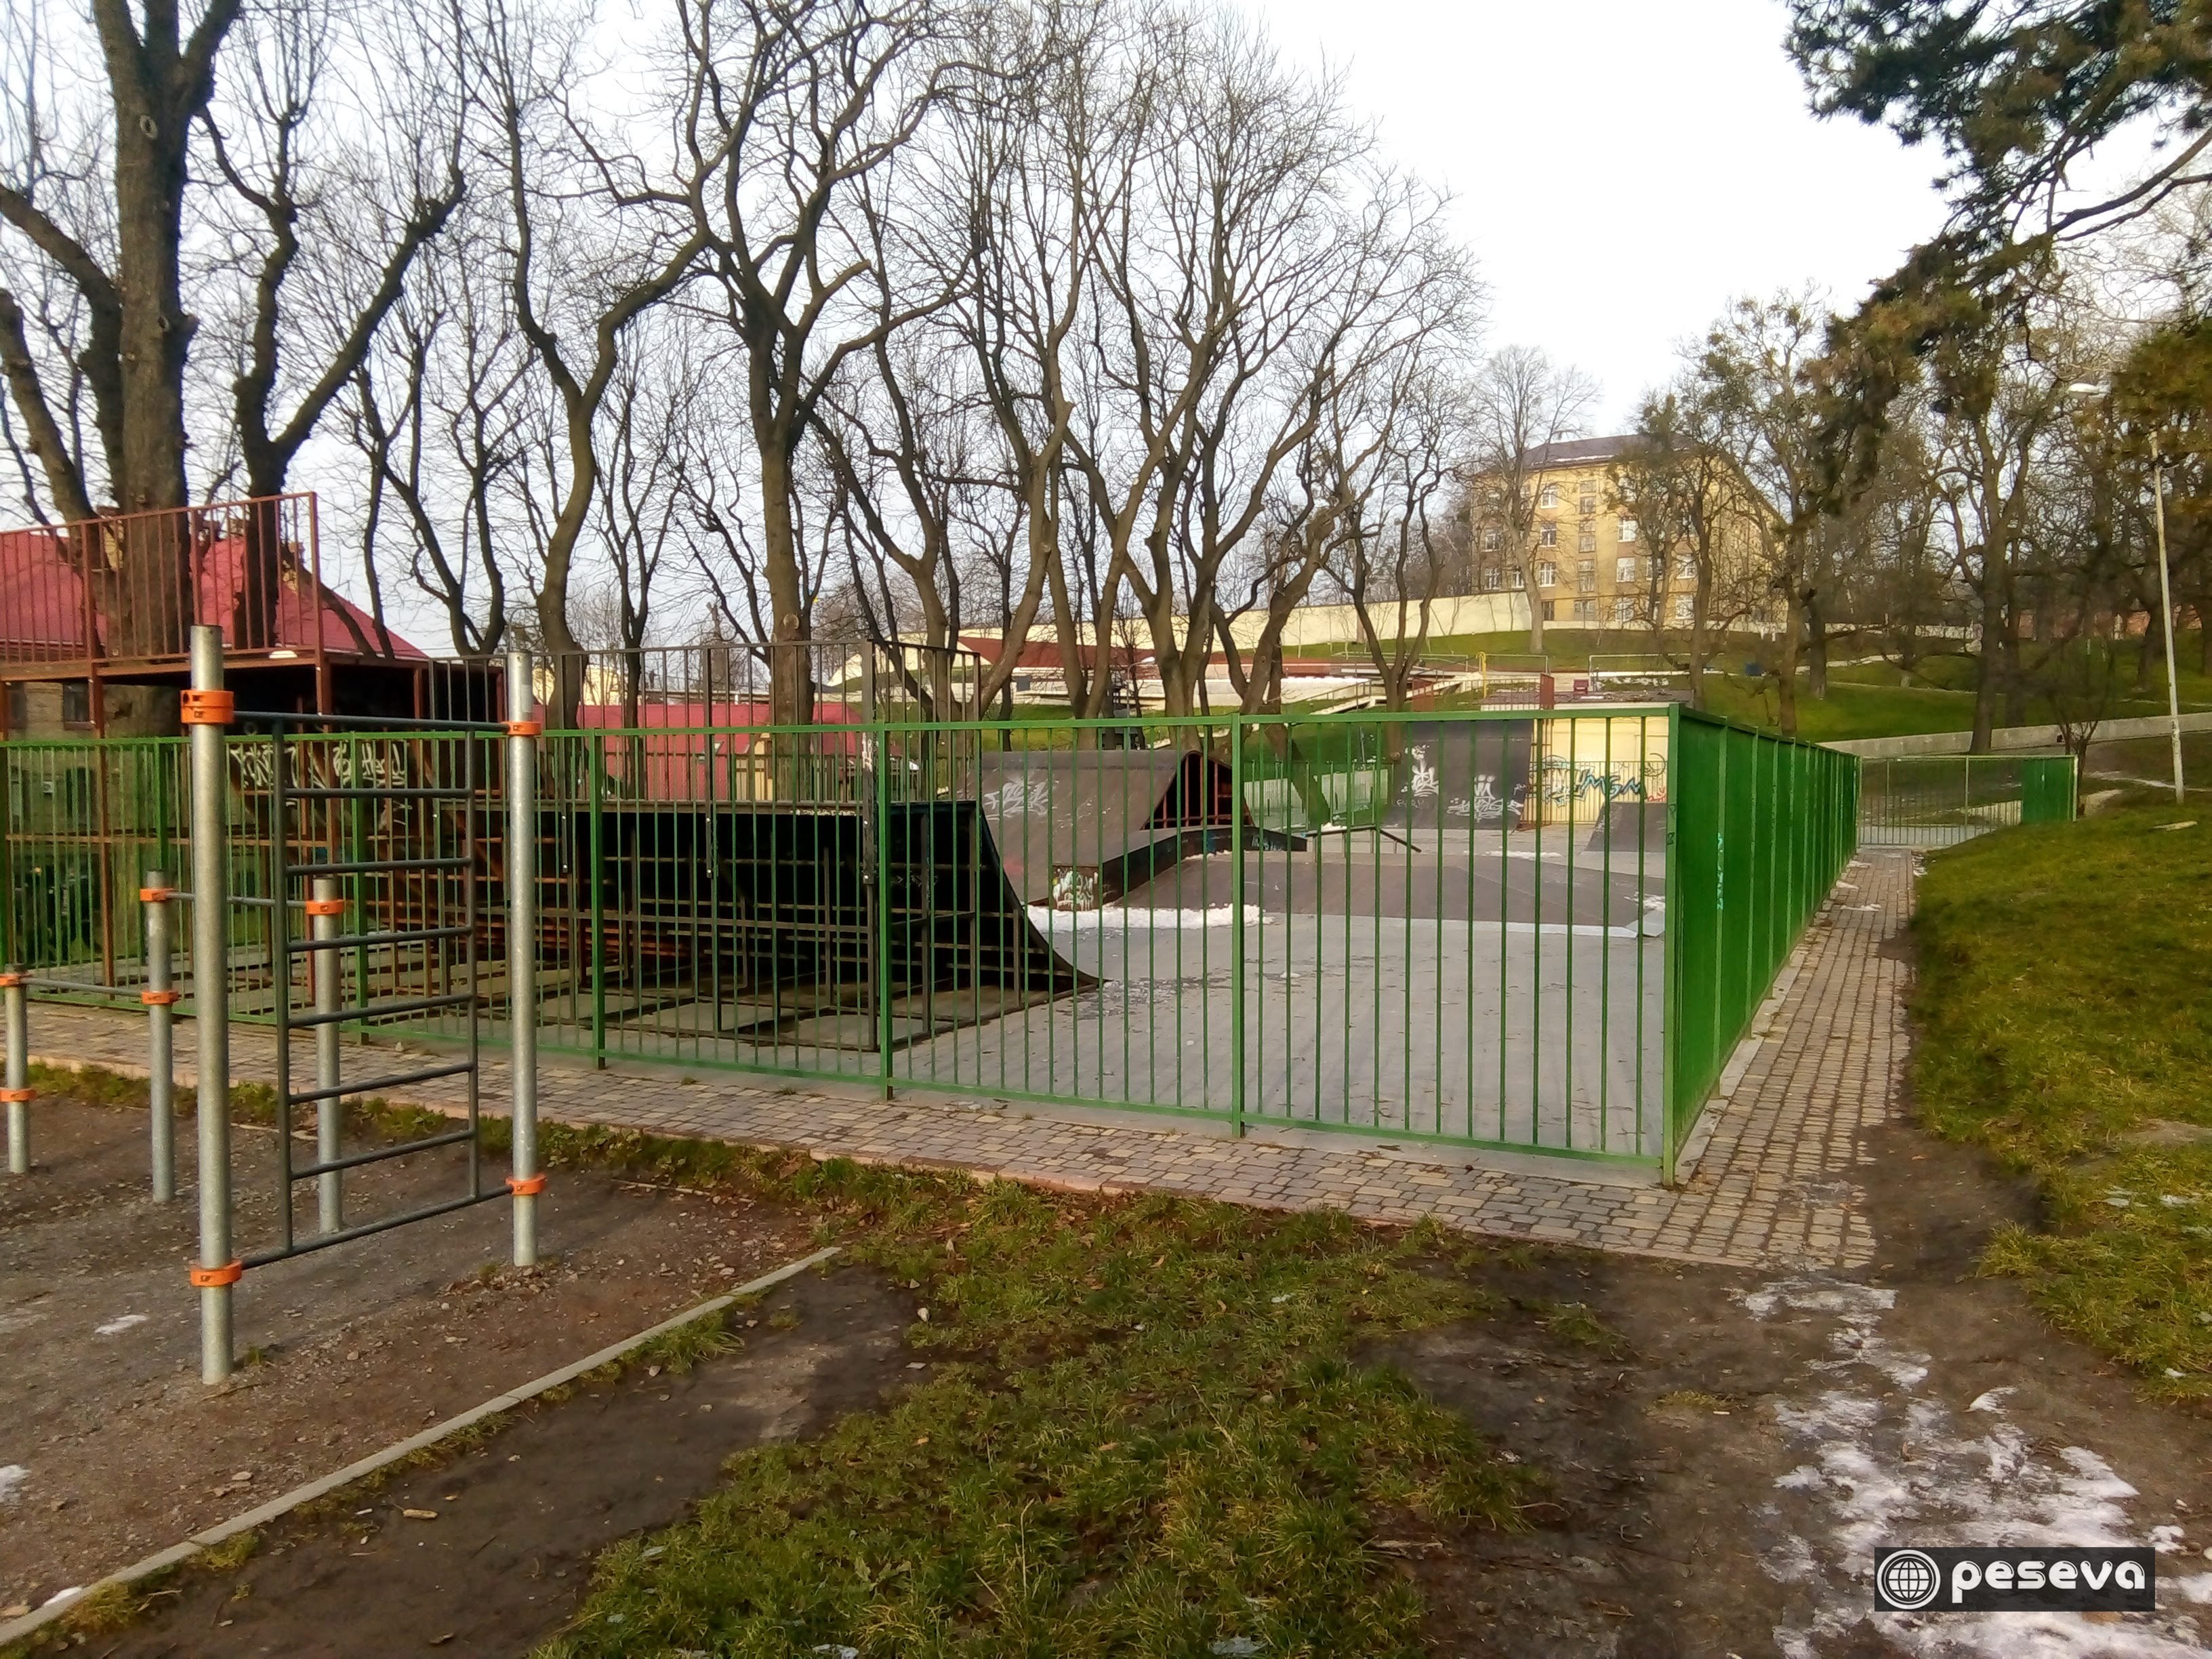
{"x": 1623, "y": 167}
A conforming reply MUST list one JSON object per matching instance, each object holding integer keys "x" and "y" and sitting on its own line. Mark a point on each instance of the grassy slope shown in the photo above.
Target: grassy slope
{"x": 2064, "y": 1009}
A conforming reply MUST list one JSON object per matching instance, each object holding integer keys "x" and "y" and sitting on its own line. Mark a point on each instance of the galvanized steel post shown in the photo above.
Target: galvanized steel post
{"x": 522, "y": 728}
{"x": 18, "y": 1094}
{"x": 160, "y": 997}
{"x": 325, "y": 906}
{"x": 208, "y": 713}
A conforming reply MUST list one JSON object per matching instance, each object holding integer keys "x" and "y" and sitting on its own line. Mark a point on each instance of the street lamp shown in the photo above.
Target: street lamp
{"x": 2091, "y": 389}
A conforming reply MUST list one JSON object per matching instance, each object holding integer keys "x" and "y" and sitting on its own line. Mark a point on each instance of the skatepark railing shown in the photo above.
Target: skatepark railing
{"x": 1764, "y": 827}
{"x": 1534, "y": 931}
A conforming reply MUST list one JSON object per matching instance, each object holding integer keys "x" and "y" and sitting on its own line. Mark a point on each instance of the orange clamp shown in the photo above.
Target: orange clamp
{"x": 156, "y": 894}
{"x": 17, "y": 1096}
{"x": 326, "y": 907}
{"x": 211, "y": 1278}
{"x": 207, "y": 707}
{"x": 9, "y": 981}
{"x": 161, "y": 998}
{"x": 525, "y": 1186}
{"x": 526, "y": 728}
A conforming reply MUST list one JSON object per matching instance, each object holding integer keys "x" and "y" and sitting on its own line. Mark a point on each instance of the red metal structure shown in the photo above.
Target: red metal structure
{"x": 114, "y": 599}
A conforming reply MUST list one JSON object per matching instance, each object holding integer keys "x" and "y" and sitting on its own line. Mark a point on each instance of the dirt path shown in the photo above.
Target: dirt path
{"x": 1723, "y": 1482}
{"x": 489, "y": 1555}
{"x": 110, "y": 1447}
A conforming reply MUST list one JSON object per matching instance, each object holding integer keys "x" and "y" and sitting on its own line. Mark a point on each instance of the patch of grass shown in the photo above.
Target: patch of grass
{"x": 1147, "y": 1432}
{"x": 689, "y": 1343}
{"x": 234, "y": 1552}
{"x": 1573, "y": 1321}
{"x": 1691, "y": 1401}
{"x": 2065, "y": 1025}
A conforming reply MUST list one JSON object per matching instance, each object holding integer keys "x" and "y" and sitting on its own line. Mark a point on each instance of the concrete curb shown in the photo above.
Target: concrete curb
{"x": 276, "y": 1509}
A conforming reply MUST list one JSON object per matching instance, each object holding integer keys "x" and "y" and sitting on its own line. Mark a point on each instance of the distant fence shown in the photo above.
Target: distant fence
{"x": 1937, "y": 801}
{"x": 1539, "y": 931}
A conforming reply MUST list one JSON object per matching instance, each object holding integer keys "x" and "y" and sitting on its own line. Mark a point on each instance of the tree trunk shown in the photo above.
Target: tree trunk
{"x": 1793, "y": 620}
{"x": 1816, "y": 647}
{"x": 1987, "y": 668}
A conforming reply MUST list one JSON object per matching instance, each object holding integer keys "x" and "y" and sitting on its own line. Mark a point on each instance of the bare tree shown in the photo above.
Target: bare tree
{"x": 1702, "y": 522}
{"x": 1523, "y": 405}
{"x": 788, "y": 107}
{"x": 590, "y": 274}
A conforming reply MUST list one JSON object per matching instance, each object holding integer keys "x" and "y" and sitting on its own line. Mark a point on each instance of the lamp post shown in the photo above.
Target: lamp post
{"x": 2089, "y": 389}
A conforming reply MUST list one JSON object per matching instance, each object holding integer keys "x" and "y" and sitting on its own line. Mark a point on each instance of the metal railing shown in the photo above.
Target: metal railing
{"x": 1763, "y": 829}
{"x": 1536, "y": 930}
{"x": 1938, "y": 800}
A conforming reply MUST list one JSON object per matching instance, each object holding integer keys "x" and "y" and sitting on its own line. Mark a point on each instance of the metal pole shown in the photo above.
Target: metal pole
{"x": 325, "y": 905}
{"x": 522, "y": 730}
{"x": 208, "y": 711}
{"x": 2165, "y": 603}
{"x": 18, "y": 1093}
{"x": 160, "y": 997}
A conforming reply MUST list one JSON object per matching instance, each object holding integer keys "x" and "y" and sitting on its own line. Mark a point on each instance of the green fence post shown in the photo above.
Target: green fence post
{"x": 599, "y": 904}
{"x": 879, "y": 803}
{"x": 1670, "y": 957}
{"x": 1237, "y": 928}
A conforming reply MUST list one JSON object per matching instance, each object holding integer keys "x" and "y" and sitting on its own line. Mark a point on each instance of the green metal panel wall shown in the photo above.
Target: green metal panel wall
{"x": 1763, "y": 827}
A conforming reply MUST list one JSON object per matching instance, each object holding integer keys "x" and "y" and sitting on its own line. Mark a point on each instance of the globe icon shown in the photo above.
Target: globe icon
{"x": 1908, "y": 1579}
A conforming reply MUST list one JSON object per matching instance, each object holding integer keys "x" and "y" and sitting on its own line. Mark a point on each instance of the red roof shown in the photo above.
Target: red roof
{"x": 43, "y": 612}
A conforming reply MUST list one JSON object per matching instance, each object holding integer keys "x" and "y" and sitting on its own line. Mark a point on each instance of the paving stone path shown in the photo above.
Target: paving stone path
{"x": 1775, "y": 1183}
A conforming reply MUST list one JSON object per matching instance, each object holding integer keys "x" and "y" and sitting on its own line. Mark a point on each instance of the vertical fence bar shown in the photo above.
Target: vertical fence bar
{"x": 208, "y": 714}
{"x": 1671, "y": 1050}
{"x": 1235, "y": 927}
{"x": 524, "y": 1182}
{"x": 325, "y": 906}
{"x": 160, "y": 998}
{"x": 19, "y": 1071}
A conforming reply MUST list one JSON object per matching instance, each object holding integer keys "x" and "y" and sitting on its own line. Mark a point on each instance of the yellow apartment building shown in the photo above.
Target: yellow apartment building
{"x": 1593, "y": 566}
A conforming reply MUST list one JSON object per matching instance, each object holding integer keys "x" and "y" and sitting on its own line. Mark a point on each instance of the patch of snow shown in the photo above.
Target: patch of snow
{"x": 1884, "y": 1463}
{"x": 124, "y": 1323}
{"x": 1815, "y": 1295}
{"x": 12, "y": 1477}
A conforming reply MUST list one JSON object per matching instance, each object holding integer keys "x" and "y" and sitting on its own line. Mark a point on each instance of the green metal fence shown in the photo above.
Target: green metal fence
{"x": 1540, "y": 931}
{"x": 1764, "y": 827}
{"x": 1938, "y": 800}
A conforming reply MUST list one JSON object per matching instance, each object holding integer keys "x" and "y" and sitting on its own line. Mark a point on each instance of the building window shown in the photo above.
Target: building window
{"x": 18, "y": 708}
{"x": 1493, "y": 539}
{"x": 1586, "y": 575}
{"x": 1628, "y": 530}
{"x": 1548, "y": 536}
{"x": 1547, "y": 575}
{"x": 1685, "y": 567}
{"x": 1548, "y": 495}
{"x": 1585, "y": 609}
{"x": 77, "y": 702}
{"x": 1588, "y": 542}
{"x": 1490, "y": 579}
{"x": 1589, "y": 500}
{"x": 1551, "y": 611}
{"x": 1624, "y": 570}
{"x": 1623, "y": 609}
{"x": 1686, "y": 607}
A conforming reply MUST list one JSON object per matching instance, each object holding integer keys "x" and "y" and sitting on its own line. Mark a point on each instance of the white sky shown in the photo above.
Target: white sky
{"x": 1623, "y": 167}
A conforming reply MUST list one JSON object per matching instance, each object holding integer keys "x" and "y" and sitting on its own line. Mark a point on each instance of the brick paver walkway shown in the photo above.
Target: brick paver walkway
{"x": 1775, "y": 1181}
